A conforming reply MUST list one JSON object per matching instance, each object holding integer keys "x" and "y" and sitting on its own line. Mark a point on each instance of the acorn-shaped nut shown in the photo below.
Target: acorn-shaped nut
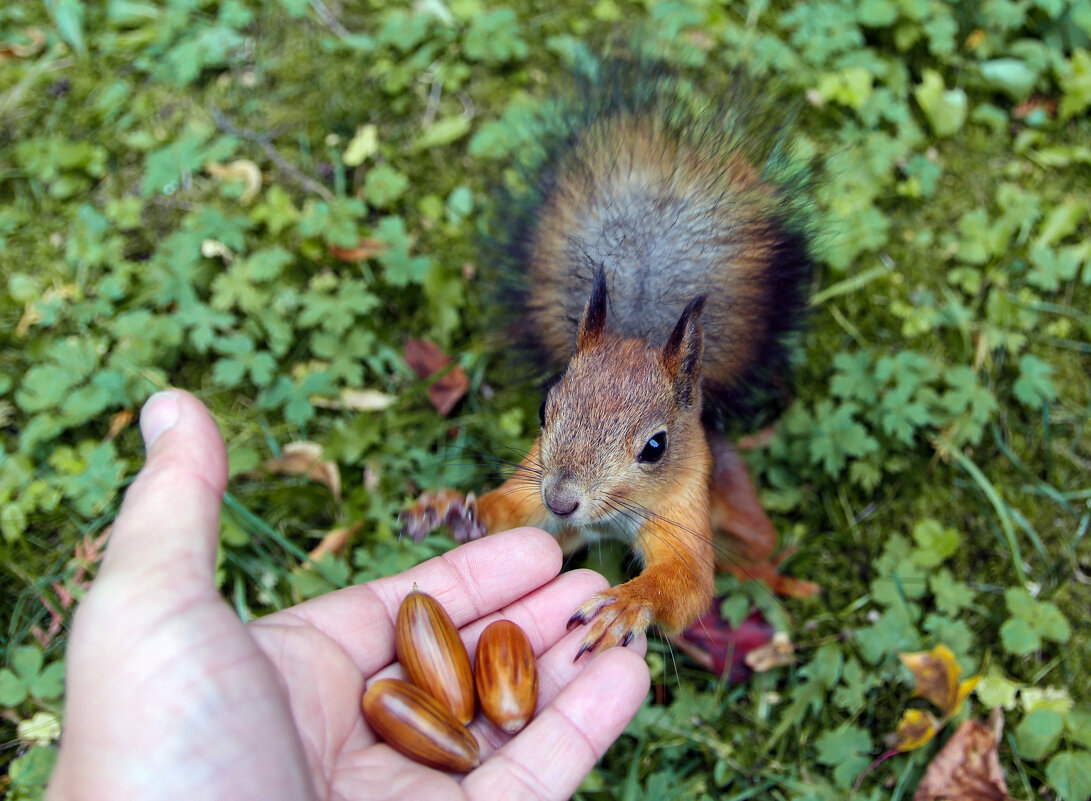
{"x": 432, "y": 654}
{"x": 506, "y": 675}
{"x": 416, "y": 724}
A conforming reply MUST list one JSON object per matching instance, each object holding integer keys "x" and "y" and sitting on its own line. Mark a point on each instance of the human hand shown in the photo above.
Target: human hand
{"x": 170, "y": 696}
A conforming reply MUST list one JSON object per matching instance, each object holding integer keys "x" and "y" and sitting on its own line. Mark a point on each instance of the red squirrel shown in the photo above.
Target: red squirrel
{"x": 662, "y": 265}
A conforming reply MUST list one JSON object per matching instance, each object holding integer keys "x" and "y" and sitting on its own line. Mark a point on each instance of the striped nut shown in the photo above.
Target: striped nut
{"x": 432, "y": 654}
{"x": 416, "y": 724}
{"x": 506, "y": 676}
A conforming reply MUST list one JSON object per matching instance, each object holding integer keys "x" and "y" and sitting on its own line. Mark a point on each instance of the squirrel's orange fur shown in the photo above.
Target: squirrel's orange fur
{"x": 660, "y": 266}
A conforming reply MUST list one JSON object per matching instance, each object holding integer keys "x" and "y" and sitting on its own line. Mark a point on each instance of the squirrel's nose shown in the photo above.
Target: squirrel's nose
{"x": 561, "y": 502}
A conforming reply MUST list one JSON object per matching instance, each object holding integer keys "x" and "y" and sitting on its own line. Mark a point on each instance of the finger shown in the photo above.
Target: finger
{"x": 169, "y": 520}
{"x": 550, "y": 758}
{"x": 469, "y": 582}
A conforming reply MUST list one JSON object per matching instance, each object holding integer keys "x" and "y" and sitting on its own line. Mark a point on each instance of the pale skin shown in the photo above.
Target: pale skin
{"x": 170, "y": 696}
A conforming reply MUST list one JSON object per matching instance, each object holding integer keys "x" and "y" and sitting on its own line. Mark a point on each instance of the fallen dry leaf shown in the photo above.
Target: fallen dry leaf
{"x": 305, "y": 459}
{"x": 917, "y": 727}
{"x": 365, "y": 249}
{"x": 358, "y": 400}
{"x": 33, "y": 47}
{"x": 778, "y": 652}
{"x": 937, "y": 674}
{"x": 967, "y": 768}
{"x": 239, "y": 170}
{"x": 721, "y": 649}
{"x": 119, "y": 422}
{"x": 427, "y": 360}
{"x": 334, "y": 542}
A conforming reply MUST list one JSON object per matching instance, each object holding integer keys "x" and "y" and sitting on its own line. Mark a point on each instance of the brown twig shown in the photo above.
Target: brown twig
{"x": 282, "y": 163}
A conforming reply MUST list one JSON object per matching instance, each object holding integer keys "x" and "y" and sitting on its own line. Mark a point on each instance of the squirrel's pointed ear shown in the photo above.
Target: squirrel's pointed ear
{"x": 594, "y": 315}
{"x": 684, "y": 350}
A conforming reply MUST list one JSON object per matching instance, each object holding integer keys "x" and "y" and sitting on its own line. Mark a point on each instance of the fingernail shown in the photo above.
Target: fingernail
{"x": 160, "y": 412}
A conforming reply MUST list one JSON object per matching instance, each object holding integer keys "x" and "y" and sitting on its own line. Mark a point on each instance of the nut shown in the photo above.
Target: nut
{"x": 416, "y": 724}
{"x": 506, "y": 676}
{"x": 433, "y": 655}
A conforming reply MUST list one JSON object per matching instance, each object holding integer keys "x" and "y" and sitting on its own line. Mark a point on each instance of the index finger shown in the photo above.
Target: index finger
{"x": 469, "y": 582}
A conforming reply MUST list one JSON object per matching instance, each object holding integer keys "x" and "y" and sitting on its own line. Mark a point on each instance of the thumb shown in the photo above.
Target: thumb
{"x": 170, "y": 519}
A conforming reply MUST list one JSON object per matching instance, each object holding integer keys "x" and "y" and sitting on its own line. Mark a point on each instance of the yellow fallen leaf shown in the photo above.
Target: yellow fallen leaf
{"x": 917, "y": 727}
{"x": 937, "y": 674}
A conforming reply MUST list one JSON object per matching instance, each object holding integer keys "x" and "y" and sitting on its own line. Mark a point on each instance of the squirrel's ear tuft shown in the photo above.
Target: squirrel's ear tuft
{"x": 594, "y": 315}
{"x": 684, "y": 350}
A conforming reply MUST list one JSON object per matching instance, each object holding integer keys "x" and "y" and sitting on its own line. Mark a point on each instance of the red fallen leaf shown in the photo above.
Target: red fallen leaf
{"x": 716, "y": 646}
{"x": 365, "y": 249}
{"x": 1029, "y": 106}
{"x": 967, "y": 768}
{"x": 427, "y": 360}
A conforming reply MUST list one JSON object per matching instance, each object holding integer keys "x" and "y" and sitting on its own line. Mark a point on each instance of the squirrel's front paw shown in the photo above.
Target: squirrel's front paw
{"x": 443, "y": 508}
{"x": 615, "y": 618}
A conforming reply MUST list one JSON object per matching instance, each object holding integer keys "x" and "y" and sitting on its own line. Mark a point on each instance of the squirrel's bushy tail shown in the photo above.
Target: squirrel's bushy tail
{"x": 674, "y": 195}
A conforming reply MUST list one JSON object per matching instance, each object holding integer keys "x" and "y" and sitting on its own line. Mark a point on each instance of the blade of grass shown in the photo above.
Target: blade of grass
{"x": 990, "y": 492}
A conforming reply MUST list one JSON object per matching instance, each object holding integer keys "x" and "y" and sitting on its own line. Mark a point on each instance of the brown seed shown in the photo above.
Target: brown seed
{"x": 506, "y": 675}
{"x": 415, "y": 723}
{"x": 433, "y": 655}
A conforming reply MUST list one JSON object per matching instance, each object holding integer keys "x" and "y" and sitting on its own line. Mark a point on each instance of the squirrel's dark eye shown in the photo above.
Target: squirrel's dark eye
{"x": 541, "y": 413}
{"x": 654, "y": 449}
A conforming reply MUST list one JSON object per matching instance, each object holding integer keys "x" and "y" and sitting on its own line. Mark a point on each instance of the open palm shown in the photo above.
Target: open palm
{"x": 171, "y": 696}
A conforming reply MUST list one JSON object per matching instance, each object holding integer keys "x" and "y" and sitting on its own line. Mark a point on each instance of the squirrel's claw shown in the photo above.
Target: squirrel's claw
{"x": 615, "y": 619}
{"x": 443, "y": 508}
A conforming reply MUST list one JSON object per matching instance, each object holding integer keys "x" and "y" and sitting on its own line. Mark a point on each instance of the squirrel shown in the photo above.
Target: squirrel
{"x": 662, "y": 261}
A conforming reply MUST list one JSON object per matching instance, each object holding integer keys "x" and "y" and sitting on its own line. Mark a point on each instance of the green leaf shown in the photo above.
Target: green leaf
{"x": 847, "y": 749}
{"x": 1078, "y": 724}
{"x": 295, "y": 396}
{"x": 27, "y": 661}
{"x": 49, "y": 684}
{"x": 951, "y": 596}
{"x": 68, "y": 17}
{"x": 399, "y": 268}
{"x": 494, "y": 38}
{"x": 1018, "y": 637}
{"x": 1031, "y": 621}
{"x": 384, "y": 185}
{"x": 838, "y": 436}
{"x": 855, "y": 377}
{"x": 1069, "y": 773}
{"x": 441, "y": 132}
{"x": 1075, "y": 83}
{"x": 1033, "y": 388}
{"x": 30, "y": 773}
{"x": 1037, "y": 734}
{"x": 13, "y": 691}
{"x": 995, "y": 689}
{"x": 945, "y": 109}
{"x": 935, "y": 543}
{"x": 1011, "y": 75}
